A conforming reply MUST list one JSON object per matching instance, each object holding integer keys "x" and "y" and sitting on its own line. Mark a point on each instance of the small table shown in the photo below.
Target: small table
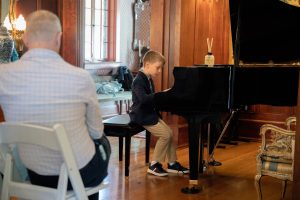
{"x": 119, "y": 98}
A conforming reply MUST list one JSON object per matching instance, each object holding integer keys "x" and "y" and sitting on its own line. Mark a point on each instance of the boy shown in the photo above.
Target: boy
{"x": 143, "y": 113}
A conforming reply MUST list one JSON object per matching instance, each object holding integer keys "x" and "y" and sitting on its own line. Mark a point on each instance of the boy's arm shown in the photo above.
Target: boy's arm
{"x": 140, "y": 91}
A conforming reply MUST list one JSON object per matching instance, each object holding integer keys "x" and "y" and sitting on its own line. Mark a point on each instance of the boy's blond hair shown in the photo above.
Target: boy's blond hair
{"x": 154, "y": 56}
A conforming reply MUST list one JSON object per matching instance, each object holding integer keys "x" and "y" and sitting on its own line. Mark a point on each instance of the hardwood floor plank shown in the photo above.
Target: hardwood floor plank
{"x": 233, "y": 180}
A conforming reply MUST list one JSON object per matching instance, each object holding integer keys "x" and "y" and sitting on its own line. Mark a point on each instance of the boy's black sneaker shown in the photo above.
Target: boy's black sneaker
{"x": 177, "y": 168}
{"x": 157, "y": 170}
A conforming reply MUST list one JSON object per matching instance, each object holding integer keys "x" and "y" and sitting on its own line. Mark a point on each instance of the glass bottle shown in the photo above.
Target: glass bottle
{"x": 209, "y": 59}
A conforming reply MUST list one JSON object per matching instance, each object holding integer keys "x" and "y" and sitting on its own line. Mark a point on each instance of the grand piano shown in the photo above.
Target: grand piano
{"x": 264, "y": 31}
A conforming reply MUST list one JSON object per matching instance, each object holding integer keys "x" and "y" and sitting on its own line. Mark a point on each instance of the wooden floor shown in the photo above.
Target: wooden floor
{"x": 233, "y": 180}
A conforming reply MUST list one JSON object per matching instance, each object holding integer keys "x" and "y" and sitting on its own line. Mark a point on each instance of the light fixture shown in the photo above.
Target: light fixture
{"x": 7, "y": 24}
{"x": 20, "y": 23}
{"x": 19, "y": 27}
{"x": 16, "y": 28}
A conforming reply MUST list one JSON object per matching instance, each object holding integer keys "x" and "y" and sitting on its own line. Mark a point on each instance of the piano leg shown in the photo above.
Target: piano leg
{"x": 194, "y": 131}
{"x": 201, "y": 131}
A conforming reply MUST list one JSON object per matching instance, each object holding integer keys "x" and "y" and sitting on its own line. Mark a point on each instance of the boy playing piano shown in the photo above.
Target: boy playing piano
{"x": 143, "y": 113}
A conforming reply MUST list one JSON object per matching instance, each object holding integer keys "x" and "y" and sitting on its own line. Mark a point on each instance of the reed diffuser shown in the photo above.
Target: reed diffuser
{"x": 209, "y": 58}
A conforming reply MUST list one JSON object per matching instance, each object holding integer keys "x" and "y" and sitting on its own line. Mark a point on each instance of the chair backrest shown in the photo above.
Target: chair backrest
{"x": 278, "y": 142}
{"x": 52, "y": 138}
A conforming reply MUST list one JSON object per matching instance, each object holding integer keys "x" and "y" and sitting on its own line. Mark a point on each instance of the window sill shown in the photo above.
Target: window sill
{"x": 97, "y": 65}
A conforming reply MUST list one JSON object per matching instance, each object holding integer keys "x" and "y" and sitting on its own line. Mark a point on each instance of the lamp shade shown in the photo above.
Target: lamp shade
{"x": 20, "y": 23}
{"x": 7, "y": 24}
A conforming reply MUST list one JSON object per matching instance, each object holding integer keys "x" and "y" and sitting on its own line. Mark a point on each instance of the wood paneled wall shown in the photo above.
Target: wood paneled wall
{"x": 251, "y": 120}
{"x": 28, "y": 6}
{"x": 179, "y": 30}
{"x": 203, "y": 19}
{"x": 212, "y": 21}
{"x": 187, "y": 24}
{"x": 157, "y": 33}
{"x": 69, "y": 14}
{"x": 186, "y": 31}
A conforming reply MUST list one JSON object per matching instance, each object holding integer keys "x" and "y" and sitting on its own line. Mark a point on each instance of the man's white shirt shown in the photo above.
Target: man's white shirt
{"x": 42, "y": 89}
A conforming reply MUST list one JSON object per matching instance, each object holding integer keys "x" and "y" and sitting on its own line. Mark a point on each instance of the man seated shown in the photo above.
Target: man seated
{"x": 42, "y": 89}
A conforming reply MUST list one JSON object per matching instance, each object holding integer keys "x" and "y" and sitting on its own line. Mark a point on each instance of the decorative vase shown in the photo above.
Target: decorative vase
{"x": 6, "y": 45}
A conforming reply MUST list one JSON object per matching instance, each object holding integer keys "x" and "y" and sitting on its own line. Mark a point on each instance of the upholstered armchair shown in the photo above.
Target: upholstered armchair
{"x": 275, "y": 157}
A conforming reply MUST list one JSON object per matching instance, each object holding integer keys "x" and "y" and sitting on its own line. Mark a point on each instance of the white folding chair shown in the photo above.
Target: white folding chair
{"x": 52, "y": 138}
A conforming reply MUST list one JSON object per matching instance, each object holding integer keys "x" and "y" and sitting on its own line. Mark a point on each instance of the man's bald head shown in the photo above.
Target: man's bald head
{"x": 43, "y": 30}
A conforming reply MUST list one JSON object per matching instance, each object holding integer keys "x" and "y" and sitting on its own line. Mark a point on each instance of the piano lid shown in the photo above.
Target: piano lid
{"x": 265, "y": 30}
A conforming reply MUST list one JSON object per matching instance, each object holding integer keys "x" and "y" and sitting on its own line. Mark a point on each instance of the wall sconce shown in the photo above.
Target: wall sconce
{"x": 16, "y": 28}
{"x": 18, "y": 31}
{"x": 7, "y": 24}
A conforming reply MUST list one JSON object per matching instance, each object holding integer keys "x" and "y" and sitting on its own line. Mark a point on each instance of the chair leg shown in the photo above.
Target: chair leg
{"x": 7, "y": 177}
{"x": 283, "y": 188}
{"x": 148, "y": 137}
{"x": 120, "y": 148}
{"x": 127, "y": 154}
{"x": 258, "y": 187}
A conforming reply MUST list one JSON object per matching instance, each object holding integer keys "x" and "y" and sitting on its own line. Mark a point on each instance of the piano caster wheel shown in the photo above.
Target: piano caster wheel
{"x": 191, "y": 190}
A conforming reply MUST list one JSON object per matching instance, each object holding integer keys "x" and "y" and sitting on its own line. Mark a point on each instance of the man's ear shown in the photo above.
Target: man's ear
{"x": 58, "y": 41}
{"x": 58, "y": 38}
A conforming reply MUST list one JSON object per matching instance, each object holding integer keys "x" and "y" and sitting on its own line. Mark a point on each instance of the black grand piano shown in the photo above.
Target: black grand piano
{"x": 265, "y": 31}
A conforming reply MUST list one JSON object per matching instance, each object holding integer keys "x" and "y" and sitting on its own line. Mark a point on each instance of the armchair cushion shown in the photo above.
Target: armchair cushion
{"x": 279, "y": 168}
{"x": 276, "y": 159}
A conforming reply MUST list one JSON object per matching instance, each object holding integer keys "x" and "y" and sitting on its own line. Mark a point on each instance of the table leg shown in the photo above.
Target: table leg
{"x": 127, "y": 154}
{"x": 120, "y": 148}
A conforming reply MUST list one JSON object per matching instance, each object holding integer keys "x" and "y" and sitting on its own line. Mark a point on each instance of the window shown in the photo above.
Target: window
{"x": 99, "y": 42}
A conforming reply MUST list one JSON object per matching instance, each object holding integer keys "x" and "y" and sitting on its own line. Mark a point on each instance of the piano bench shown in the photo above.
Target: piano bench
{"x": 120, "y": 126}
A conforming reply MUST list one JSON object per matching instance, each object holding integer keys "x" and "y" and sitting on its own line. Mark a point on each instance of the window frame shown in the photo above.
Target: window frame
{"x": 111, "y": 35}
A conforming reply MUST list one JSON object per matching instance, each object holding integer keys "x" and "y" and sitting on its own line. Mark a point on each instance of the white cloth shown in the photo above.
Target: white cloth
{"x": 42, "y": 89}
{"x": 19, "y": 170}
